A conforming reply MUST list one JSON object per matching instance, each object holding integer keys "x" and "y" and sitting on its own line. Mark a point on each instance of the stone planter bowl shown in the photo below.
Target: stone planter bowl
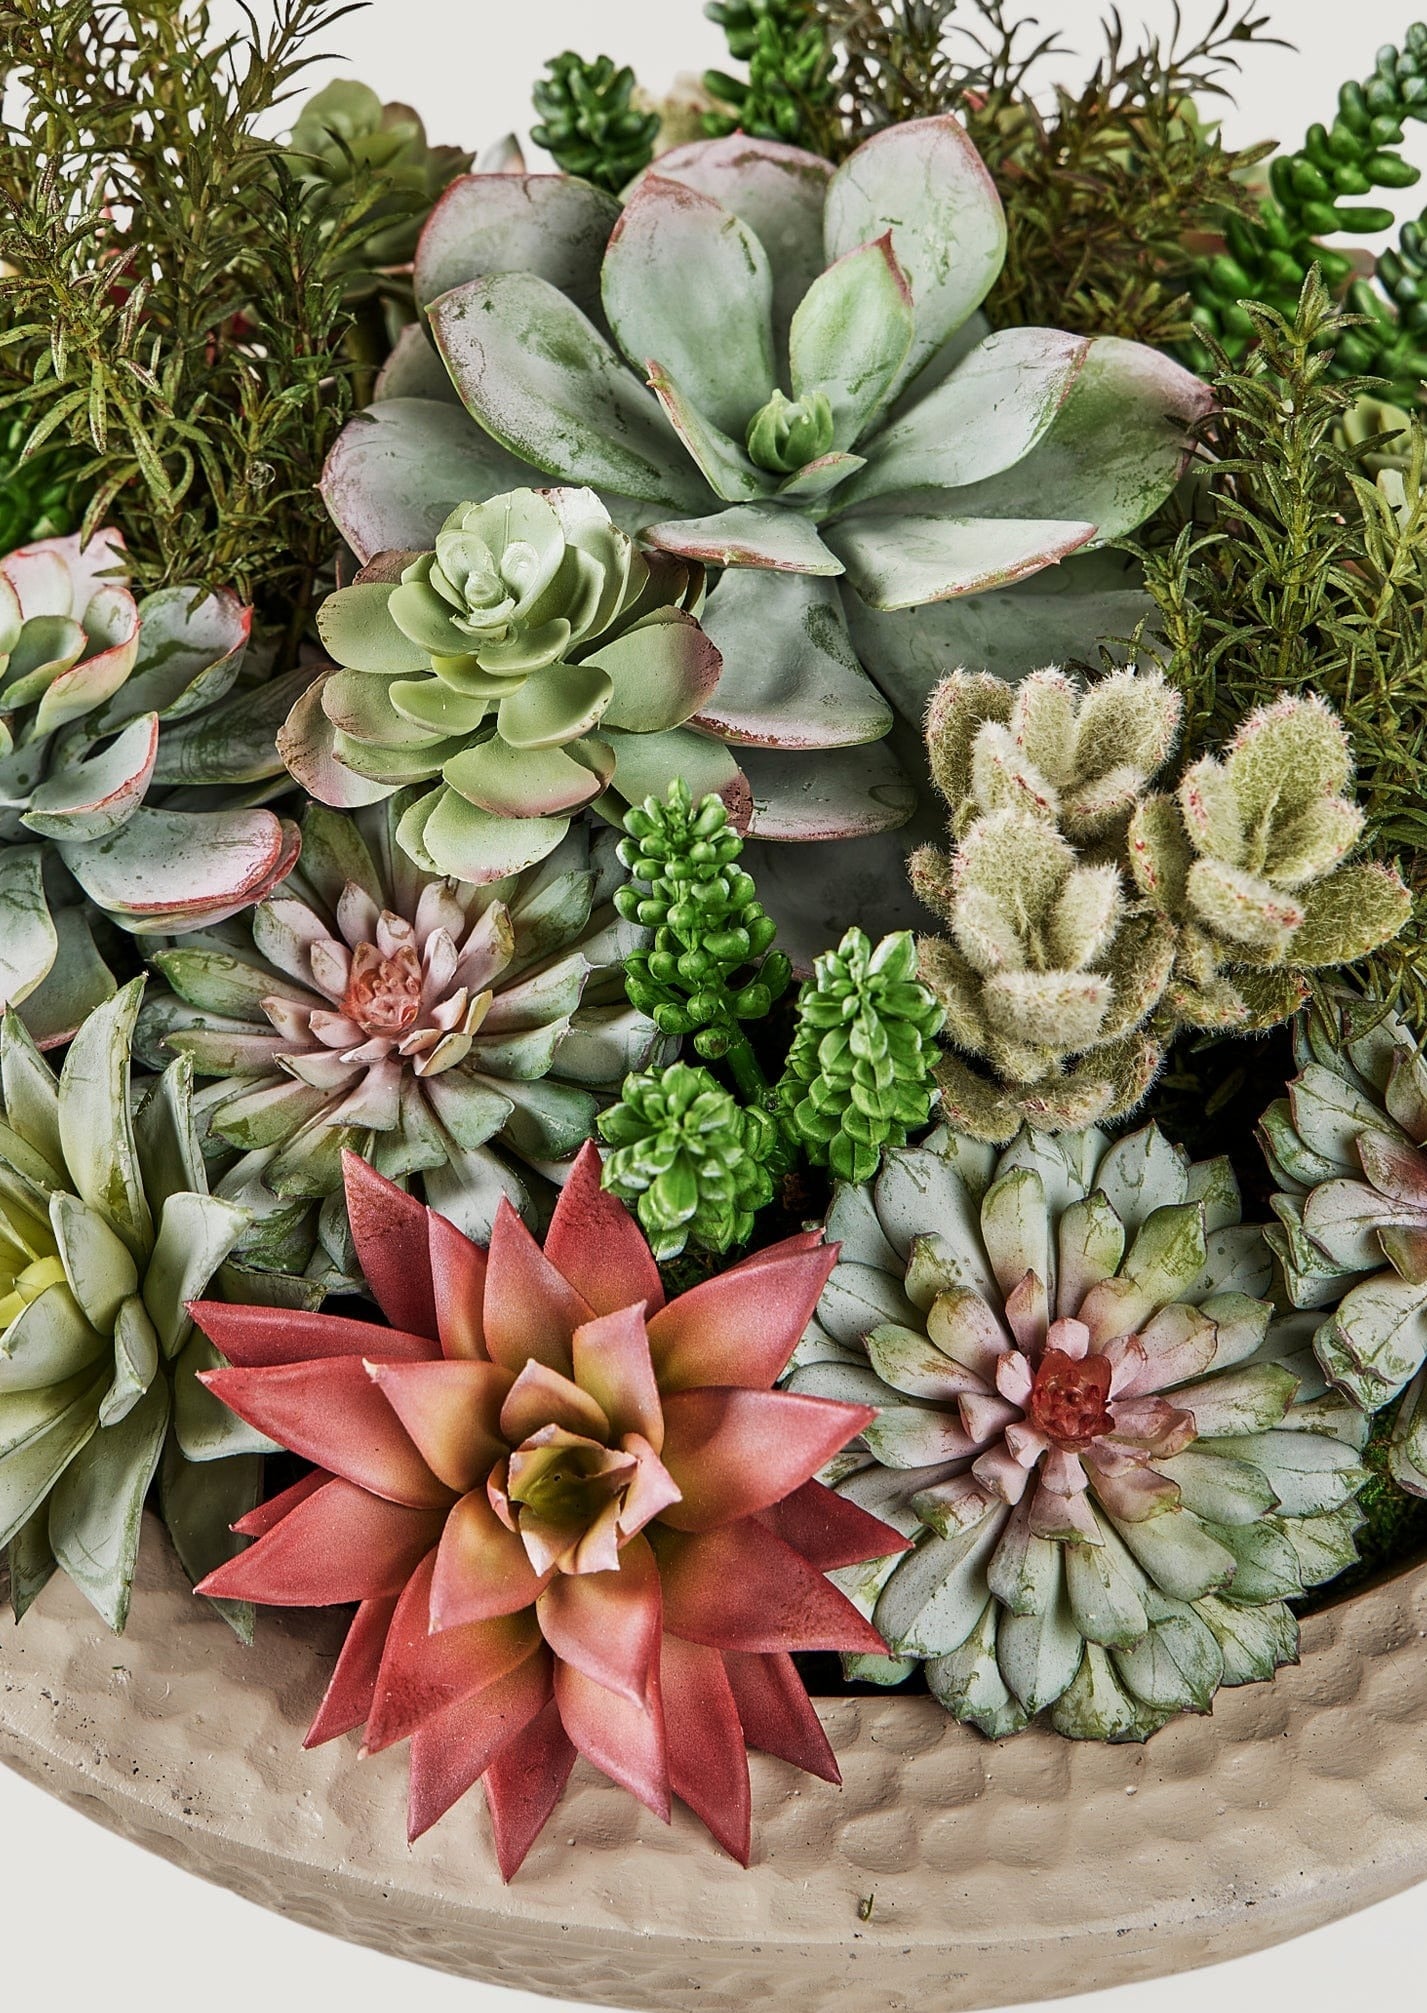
{"x": 947, "y": 1872}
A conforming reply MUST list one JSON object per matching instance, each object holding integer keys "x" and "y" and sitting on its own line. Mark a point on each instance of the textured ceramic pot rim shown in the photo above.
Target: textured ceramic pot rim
{"x": 947, "y": 1872}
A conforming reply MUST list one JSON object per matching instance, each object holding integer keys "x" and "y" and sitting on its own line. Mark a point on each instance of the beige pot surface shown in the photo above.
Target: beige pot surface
{"x": 995, "y": 1873}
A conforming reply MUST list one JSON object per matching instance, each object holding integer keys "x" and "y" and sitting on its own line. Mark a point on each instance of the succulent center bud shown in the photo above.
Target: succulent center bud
{"x": 1069, "y": 1399}
{"x": 384, "y": 992}
{"x": 27, "y": 1286}
{"x": 786, "y": 434}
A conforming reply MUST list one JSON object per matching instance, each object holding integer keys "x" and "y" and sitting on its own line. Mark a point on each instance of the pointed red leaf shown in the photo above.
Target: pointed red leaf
{"x": 455, "y": 1748}
{"x": 255, "y": 1338}
{"x": 389, "y": 1231}
{"x": 608, "y": 1624}
{"x": 348, "y": 1698}
{"x": 612, "y": 1362}
{"x": 708, "y": 1761}
{"x": 829, "y": 1530}
{"x": 340, "y": 1545}
{"x": 541, "y": 1397}
{"x": 421, "y": 1673}
{"x": 740, "y": 1327}
{"x": 777, "y": 1714}
{"x": 458, "y": 1287}
{"x": 595, "y": 1242}
{"x": 732, "y": 1452}
{"x": 740, "y": 1588}
{"x": 482, "y": 1569}
{"x": 531, "y": 1312}
{"x": 451, "y": 1412}
{"x": 260, "y": 1521}
{"x": 332, "y": 1414}
{"x": 624, "y": 1741}
{"x": 523, "y": 1785}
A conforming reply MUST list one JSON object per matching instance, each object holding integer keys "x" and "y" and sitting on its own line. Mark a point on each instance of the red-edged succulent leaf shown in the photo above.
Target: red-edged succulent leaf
{"x": 595, "y": 1242}
{"x": 742, "y": 1588}
{"x": 612, "y": 1362}
{"x": 257, "y": 1337}
{"x": 531, "y": 1311}
{"x": 777, "y": 1714}
{"x": 608, "y": 1624}
{"x": 389, "y": 1231}
{"x": 453, "y": 1750}
{"x": 523, "y": 1785}
{"x": 333, "y": 1414}
{"x": 829, "y": 1530}
{"x": 733, "y": 1451}
{"x": 541, "y": 1397}
{"x": 458, "y": 1284}
{"x": 421, "y": 1673}
{"x": 260, "y": 1521}
{"x": 348, "y": 1697}
{"x": 340, "y": 1545}
{"x": 451, "y": 1411}
{"x": 708, "y": 1758}
{"x": 741, "y": 1326}
{"x": 624, "y": 1740}
{"x": 482, "y": 1568}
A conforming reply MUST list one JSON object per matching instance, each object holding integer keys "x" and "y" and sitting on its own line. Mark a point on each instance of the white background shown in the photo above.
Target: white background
{"x": 88, "y": 1920}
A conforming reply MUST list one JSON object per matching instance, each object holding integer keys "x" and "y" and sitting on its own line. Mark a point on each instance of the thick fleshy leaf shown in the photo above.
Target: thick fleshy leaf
{"x": 851, "y": 337}
{"x": 715, "y": 338}
{"x": 708, "y": 1761}
{"x": 350, "y": 1689}
{"x": 202, "y": 866}
{"x": 900, "y": 561}
{"x": 95, "y": 1123}
{"x": 662, "y": 671}
{"x": 839, "y": 793}
{"x": 196, "y": 1233}
{"x": 92, "y": 799}
{"x": 829, "y": 1530}
{"x": 778, "y": 1716}
{"x": 28, "y": 939}
{"x": 608, "y": 1625}
{"x": 542, "y": 380}
{"x": 397, "y": 471}
{"x": 332, "y": 1413}
{"x": 454, "y": 1749}
{"x": 452, "y": 837}
{"x": 389, "y": 1230}
{"x": 482, "y": 1568}
{"x": 340, "y": 1545}
{"x": 307, "y": 743}
{"x": 734, "y": 1452}
{"x": 422, "y": 1673}
{"x": 598, "y": 1246}
{"x": 98, "y": 1502}
{"x": 531, "y": 1311}
{"x": 524, "y": 1783}
{"x": 791, "y": 678}
{"x": 722, "y": 461}
{"x": 76, "y": 983}
{"x": 624, "y": 1740}
{"x": 748, "y": 534}
{"x": 613, "y": 1364}
{"x": 553, "y": 225}
{"x": 29, "y": 1472}
{"x": 257, "y": 1337}
{"x": 741, "y": 1326}
{"x": 741, "y": 1588}
{"x": 414, "y": 370}
{"x": 452, "y": 1413}
{"x": 926, "y": 183}
{"x": 458, "y": 1282}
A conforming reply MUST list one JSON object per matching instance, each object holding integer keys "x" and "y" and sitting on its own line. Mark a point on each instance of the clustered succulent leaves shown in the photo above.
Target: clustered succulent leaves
{"x": 575, "y": 1515}
{"x": 693, "y": 1164}
{"x": 1093, "y": 918}
{"x": 454, "y": 1034}
{"x": 1116, "y": 1466}
{"x": 590, "y": 123}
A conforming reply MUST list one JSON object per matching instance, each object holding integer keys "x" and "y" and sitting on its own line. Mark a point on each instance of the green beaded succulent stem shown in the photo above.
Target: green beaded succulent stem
{"x": 692, "y": 1163}
{"x": 788, "y": 94}
{"x": 1314, "y": 193}
{"x": 1393, "y": 341}
{"x": 590, "y": 123}
{"x": 859, "y": 1073}
{"x": 711, "y": 966}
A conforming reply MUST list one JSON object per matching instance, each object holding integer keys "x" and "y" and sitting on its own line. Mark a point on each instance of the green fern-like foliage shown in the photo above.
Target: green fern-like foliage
{"x": 693, "y": 1164}
{"x": 590, "y": 122}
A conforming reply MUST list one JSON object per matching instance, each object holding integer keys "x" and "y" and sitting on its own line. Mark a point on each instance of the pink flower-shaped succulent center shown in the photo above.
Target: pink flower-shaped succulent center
{"x": 1069, "y": 1399}
{"x": 383, "y": 993}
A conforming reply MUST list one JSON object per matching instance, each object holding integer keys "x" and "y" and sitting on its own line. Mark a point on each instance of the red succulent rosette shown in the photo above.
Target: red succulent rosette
{"x": 576, "y": 1518}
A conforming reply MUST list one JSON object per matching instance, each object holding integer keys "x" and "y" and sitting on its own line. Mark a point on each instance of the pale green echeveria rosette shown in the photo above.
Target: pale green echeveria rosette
{"x": 532, "y": 663}
{"x": 1117, "y": 1466}
{"x": 133, "y": 760}
{"x": 778, "y": 368}
{"x": 462, "y": 1038}
{"x": 1347, "y": 1148}
{"x": 107, "y": 1232}
{"x": 345, "y": 132}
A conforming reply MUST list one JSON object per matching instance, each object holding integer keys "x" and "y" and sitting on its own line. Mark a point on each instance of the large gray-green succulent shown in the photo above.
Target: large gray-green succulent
{"x": 455, "y": 1033}
{"x": 1117, "y": 1466}
{"x": 777, "y": 368}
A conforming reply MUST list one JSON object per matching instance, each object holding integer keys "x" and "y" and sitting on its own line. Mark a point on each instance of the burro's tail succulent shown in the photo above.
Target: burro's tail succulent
{"x": 107, "y": 1231}
{"x": 1116, "y": 1466}
{"x": 1092, "y": 918}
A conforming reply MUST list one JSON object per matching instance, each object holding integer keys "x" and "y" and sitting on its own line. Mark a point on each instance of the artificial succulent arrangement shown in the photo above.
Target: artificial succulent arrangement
{"x": 712, "y": 890}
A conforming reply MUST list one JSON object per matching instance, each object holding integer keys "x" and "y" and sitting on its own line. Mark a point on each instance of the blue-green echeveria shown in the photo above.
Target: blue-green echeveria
{"x": 775, "y": 367}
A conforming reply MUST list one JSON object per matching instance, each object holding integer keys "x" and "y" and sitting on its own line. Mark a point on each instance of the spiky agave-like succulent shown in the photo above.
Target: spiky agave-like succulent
{"x": 1348, "y": 1149}
{"x": 577, "y": 1518}
{"x": 106, "y": 704}
{"x": 107, "y": 1231}
{"x": 454, "y": 1032}
{"x": 1091, "y": 918}
{"x": 795, "y": 392}
{"x": 1116, "y": 1466}
{"x": 533, "y": 662}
